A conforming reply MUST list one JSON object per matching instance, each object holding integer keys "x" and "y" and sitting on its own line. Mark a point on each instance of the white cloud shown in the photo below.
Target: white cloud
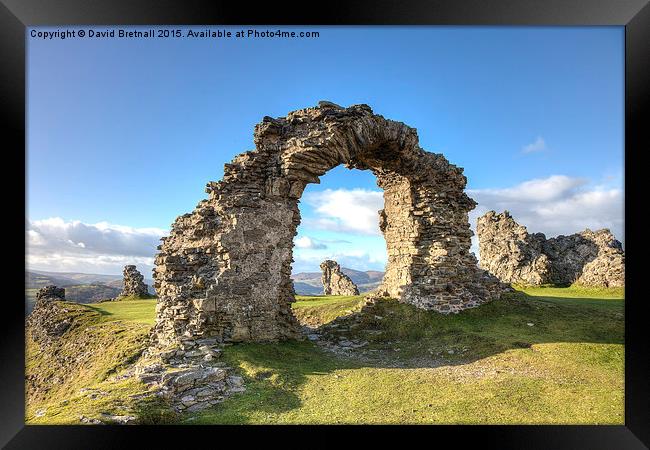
{"x": 356, "y": 258}
{"x": 554, "y": 205}
{"x": 59, "y": 245}
{"x": 307, "y": 242}
{"x": 538, "y": 146}
{"x": 346, "y": 210}
{"x": 548, "y": 189}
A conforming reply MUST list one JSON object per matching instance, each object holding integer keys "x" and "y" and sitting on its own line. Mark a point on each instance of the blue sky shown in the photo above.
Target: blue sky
{"x": 123, "y": 134}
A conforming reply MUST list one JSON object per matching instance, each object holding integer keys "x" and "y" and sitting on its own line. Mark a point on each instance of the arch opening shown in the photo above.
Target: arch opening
{"x": 340, "y": 222}
{"x": 225, "y": 269}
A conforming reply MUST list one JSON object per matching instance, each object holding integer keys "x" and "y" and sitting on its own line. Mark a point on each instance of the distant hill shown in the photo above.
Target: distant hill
{"x": 90, "y": 293}
{"x": 119, "y": 284}
{"x": 307, "y": 289}
{"x": 35, "y": 279}
{"x": 93, "y": 287}
{"x": 79, "y": 287}
{"x": 77, "y": 277}
{"x": 309, "y": 283}
{"x": 305, "y": 276}
{"x": 80, "y": 293}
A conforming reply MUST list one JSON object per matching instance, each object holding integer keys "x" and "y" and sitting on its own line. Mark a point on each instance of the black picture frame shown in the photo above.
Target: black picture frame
{"x": 634, "y": 15}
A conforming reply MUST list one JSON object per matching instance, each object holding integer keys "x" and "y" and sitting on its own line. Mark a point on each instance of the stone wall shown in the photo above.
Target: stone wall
{"x": 225, "y": 268}
{"x": 336, "y": 282}
{"x": 134, "y": 285}
{"x": 48, "y": 320}
{"x": 507, "y": 250}
{"x": 50, "y": 292}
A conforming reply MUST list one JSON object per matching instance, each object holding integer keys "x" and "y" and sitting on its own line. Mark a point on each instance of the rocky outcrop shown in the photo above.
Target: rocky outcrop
{"x": 225, "y": 269}
{"x": 50, "y": 292}
{"x": 588, "y": 258}
{"x": 507, "y": 250}
{"x": 133, "y": 283}
{"x": 336, "y": 282}
{"x": 49, "y": 318}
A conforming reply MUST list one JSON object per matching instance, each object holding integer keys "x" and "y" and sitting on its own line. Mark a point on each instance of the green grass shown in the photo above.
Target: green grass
{"x": 319, "y": 310}
{"x": 482, "y": 366}
{"x": 131, "y": 310}
{"x": 567, "y": 368}
{"x": 578, "y": 295}
{"x": 575, "y": 291}
{"x": 293, "y": 383}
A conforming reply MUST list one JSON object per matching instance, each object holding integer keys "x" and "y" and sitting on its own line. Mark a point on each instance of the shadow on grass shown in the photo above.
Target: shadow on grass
{"x": 100, "y": 311}
{"x": 401, "y": 336}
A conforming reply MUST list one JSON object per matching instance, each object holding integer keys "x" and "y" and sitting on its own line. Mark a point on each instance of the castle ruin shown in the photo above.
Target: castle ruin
{"x": 224, "y": 270}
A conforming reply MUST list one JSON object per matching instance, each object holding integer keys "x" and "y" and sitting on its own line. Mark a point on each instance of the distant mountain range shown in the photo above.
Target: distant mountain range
{"x": 309, "y": 283}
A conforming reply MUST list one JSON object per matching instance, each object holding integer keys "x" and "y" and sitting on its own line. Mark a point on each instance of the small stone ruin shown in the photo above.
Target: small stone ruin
{"x": 50, "y": 292}
{"x": 225, "y": 269}
{"x": 48, "y": 319}
{"x": 508, "y": 251}
{"x": 336, "y": 282}
{"x": 133, "y": 283}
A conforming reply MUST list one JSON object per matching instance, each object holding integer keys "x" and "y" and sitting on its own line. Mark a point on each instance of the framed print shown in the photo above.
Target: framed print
{"x": 413, "y": 217}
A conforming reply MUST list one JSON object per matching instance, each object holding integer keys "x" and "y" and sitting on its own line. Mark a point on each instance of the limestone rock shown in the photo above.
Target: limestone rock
{"x": 336, "y": 282}
{"x": 224, "y": 271}
{"x": 508, "y": 251}
{"x": 134, "y": 285}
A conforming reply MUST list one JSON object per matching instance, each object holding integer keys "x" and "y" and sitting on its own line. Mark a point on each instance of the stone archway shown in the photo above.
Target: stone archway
{"x": 225, "y": 268}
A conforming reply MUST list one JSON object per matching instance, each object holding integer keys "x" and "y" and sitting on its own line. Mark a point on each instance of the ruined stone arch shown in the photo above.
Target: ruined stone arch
{"x": 225, "y": 268}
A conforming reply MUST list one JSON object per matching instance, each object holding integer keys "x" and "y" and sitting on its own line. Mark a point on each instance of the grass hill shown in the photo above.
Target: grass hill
{"x": 36, "y": 280}
{"x": 543, "y": 355}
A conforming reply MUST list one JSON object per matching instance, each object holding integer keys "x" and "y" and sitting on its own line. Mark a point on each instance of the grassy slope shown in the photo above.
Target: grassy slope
{"x": 566, "y": 368}
{"x": 108, "y": 336}
{"x": 142, "y": 311}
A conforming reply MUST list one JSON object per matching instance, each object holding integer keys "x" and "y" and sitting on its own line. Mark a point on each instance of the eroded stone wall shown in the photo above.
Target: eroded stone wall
{"x": 47, "y": 320}
{"x": 507, "y": 250}
{"x": 134, "y": 285}
{"x": 336, "y": 282}
{"x": 225, "y": 268}
{"x": 50, "y": 292}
